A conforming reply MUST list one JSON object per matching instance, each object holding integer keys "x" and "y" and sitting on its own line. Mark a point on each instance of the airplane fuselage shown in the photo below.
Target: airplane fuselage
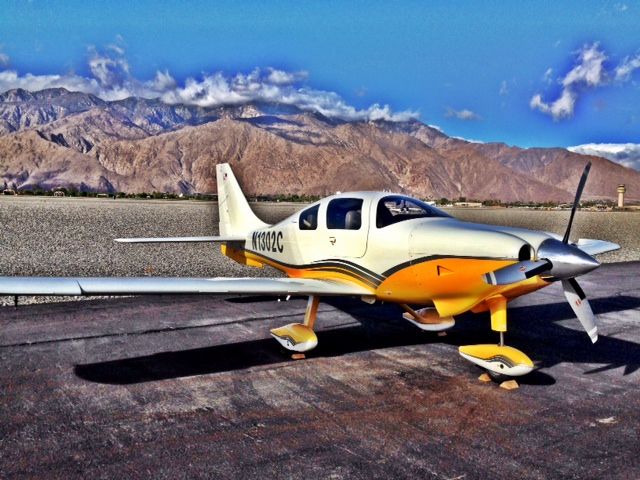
{"x": 399, "y": 248}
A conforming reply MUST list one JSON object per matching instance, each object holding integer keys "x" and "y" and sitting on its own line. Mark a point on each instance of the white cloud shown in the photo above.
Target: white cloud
{"x": 4, "y": 59}
{"x": 504, "y": 88}
{"x": 110, "y": 68}
{"x": 280, "y": 77}
{"x": 561, "y": 108}
{"x": 621, "y": 7}
{"x": 548, "y": 75}
{"x": 627, "y": 154}
{"x": 627, "y": 67}
{"x": 10, "y": 79}
{"x": 162, "y": 81}
{"x": 464, "y": 114}
{"x": 588, "y": 72}
{"x": 590, "y": 69}
{"x": 111, "y": 79}
{"x": 218, "y": 89}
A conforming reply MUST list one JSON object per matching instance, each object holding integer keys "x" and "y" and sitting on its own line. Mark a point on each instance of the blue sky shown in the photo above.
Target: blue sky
{"x": 472, "y": 68}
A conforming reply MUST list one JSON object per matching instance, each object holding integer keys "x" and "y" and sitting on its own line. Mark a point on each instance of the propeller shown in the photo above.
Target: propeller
{"x": 580, "y": 305}
{"x": 576, "y": 201}
{"x": 558, "y": 260}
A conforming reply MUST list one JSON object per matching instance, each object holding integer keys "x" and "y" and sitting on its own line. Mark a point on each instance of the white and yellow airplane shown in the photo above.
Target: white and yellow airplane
{"x": 380, "y": 247}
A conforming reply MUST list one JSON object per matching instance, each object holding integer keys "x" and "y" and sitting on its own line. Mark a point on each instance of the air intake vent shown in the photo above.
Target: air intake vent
{"x": 524, "y": 253}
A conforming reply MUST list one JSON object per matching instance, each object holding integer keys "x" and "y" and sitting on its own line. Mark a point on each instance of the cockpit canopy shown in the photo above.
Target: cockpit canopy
{"x": 346, "y": 212}
{"x": 398, "y": 208}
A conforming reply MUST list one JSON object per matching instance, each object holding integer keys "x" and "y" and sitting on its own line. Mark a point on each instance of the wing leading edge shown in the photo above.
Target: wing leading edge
{"x": 179, "y": 239}
{"x": 595, "y": 247}
{"x": 174, "y": 285}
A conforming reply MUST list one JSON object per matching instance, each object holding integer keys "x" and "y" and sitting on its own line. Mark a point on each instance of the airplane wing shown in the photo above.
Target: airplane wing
{"x": 174, "y": 285}
{"x": 594, "y": 247}
{"x": 178, "y": 239}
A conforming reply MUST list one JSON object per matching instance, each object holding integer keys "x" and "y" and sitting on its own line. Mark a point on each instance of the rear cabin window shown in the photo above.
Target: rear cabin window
{"x": 309, "y": 218}
{"x": 345, "y": 213}
{"x": 398, "y": 208}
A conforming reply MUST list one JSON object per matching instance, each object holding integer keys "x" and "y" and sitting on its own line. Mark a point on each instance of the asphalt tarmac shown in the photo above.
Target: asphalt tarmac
{"x": 194, "y": 387}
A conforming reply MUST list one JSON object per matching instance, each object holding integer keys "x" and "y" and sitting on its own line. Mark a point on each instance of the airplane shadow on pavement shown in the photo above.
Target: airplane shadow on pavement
{"x": 534, "y": 329}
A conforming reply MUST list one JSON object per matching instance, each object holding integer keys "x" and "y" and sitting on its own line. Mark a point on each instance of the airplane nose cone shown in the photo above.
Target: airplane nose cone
{"x": 568, "y": 261}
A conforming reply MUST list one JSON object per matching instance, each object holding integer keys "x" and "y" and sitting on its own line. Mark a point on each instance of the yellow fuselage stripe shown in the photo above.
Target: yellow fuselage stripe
{"x": 454, "y": 285}
{"x": 323, "y": 273}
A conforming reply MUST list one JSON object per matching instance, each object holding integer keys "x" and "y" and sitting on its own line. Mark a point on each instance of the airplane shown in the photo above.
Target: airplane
{"x": 381, "y": 247}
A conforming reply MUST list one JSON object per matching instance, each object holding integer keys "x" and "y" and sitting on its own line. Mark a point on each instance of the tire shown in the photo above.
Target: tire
{"x": 498, "y": 377}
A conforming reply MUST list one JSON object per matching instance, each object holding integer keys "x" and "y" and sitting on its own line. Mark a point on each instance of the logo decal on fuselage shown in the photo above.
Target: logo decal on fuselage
{"x": 268, "y": 241}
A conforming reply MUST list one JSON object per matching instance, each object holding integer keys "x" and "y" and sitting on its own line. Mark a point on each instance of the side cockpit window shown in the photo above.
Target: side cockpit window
{"x": 344, "y": 213}
{"x": 309, "y": 218}
{"x": 397, "y": 208}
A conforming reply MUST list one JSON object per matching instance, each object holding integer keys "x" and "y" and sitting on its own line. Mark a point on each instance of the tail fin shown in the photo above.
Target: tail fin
{"x": 236, "y": 217}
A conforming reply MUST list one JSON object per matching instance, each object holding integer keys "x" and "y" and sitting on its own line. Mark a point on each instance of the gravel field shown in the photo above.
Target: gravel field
{"x": 73, "y": 236}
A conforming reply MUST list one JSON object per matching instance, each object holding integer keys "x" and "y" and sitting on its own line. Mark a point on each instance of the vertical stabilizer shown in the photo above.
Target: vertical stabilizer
{"x": 236, "y": 217}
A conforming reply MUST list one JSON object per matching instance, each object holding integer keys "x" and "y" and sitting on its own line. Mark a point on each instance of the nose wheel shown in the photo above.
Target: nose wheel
{"x": 501, "y": 362}
{"x": 498, "y": 377}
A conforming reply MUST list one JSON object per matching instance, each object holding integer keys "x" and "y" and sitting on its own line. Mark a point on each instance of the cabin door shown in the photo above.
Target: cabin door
{"x": 344, "y": 232}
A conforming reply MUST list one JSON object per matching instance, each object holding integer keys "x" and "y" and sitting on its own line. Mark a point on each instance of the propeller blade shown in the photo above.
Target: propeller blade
{"x": 576, "y": 202}
{"x": 517, "y": 272}
{"x": 580, "y": 305}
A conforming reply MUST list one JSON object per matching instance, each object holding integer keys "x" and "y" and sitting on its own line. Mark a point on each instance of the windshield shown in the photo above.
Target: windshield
{"x": 398, "y": 208}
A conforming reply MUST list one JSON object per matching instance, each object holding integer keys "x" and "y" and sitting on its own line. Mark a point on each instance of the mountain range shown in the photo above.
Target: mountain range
{"x": 56, "y": 138}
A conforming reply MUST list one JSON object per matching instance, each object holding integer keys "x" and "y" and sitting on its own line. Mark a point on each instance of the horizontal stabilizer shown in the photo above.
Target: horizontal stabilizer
{"x": 180, "y": 239}
{"x": 174, "y": 285}
{"x": 595, "y": 247}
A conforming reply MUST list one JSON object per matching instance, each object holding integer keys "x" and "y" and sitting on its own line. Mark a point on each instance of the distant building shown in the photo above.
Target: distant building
{"x": 58, "y": 193}
{"x": 621, "y": 191}
{"x": 9, "y": 191}
{"x": 468, "y": 204}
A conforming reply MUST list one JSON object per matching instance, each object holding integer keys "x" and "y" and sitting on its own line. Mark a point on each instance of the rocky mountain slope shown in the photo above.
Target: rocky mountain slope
{"x": 58, "y": 138}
